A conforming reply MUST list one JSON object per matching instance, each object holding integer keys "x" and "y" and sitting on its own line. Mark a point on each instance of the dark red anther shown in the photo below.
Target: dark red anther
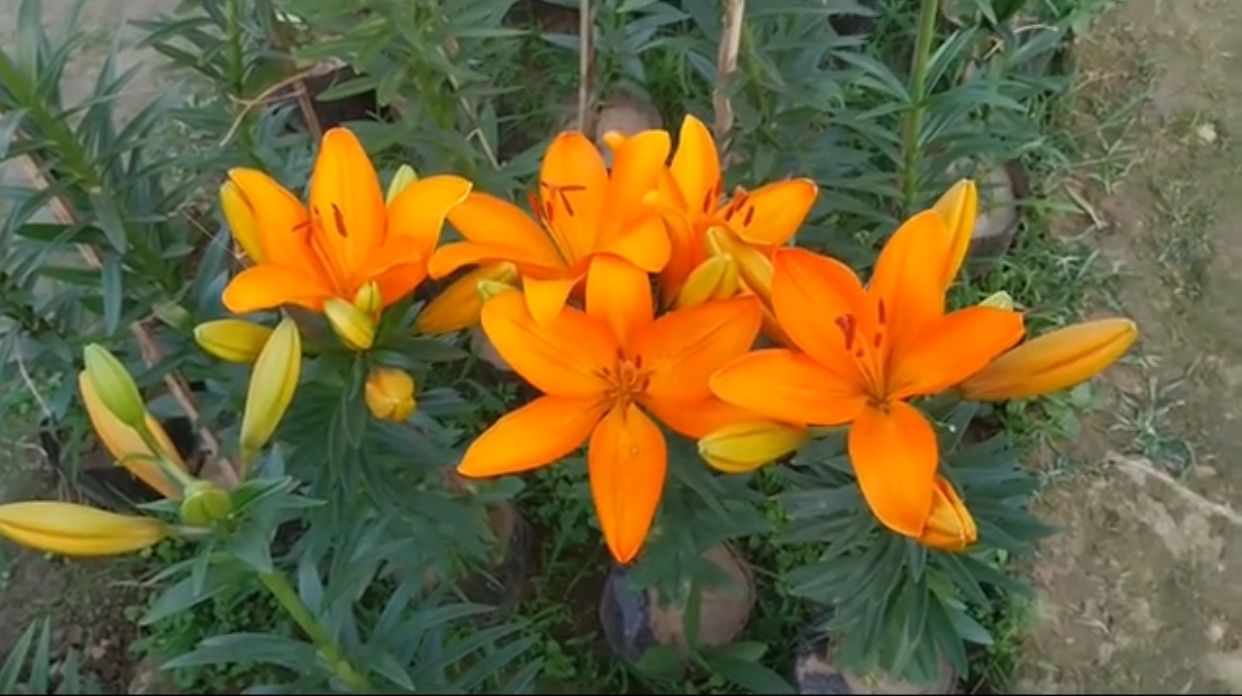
{"x": 535, "y": 206}
{"x": 565, "y": 201}
{"x": 340, "y": 221}
{"x": 750, "y": 215}
{"x": 638, "y": 361}
{"x": 708, "y": 197}
{"x": 547, "y": 212}
{"x": 882, "y": 318}
{"x": 848, "y": 326}
{"x": 878, "y": 338}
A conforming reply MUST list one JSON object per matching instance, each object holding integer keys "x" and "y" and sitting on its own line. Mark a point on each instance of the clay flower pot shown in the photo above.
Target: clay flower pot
{"x": 816, "y": 673}
{"x": 634, "y": 621}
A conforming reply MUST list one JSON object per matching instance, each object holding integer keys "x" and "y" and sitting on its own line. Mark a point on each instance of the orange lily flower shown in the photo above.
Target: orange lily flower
{"x": 605, "y": 372}
{"x": 344, "y": 238}
{"x": 861, "y": 353}
{"x": 581, "y": 210}
{"x": 753, "y": 223}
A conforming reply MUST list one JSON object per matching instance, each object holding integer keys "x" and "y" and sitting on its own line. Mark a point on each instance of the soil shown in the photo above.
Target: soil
{"x": 1139, "y": 590}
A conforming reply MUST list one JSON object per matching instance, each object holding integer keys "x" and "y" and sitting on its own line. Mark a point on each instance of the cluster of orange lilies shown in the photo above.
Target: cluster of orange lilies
{"x": 641, "y": 294}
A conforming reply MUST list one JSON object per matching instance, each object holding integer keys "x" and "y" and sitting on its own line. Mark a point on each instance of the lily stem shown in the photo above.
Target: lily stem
{"x": 276, "y": 583}
{"x": 918, "y": 97}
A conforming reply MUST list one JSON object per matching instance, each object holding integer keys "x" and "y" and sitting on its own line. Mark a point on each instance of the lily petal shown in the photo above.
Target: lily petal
{"x": 959, "y": 206}
{"x": 684, "y": 347}
{"x": 346, "y": 202}
{"x": 563, "y": 357}
{"x": 773, "y": 213}
{"x": 894, "y": 455}
{"x": 628, "y": 461}
{"x": 451, "y": 257}
{"x": 696, "y": 166}
{"x": 398, "y": 281}
{"x": 281, "y": 222}
{"x": 508, "y": 447}
{"x": 696, "y": 419}
{"x": 619, "y": 295}
{"x": 487, "y": 220}
{"x": 266, "y": 286}
{"x": 417, "y": 214}
{"x": 546, "y": 298}
{"x": 951, "y": 349}
{"x": 572, "y": 182}
{"x": 636, "y": 170}
{"x": 643, "y": 243}
{"x": 909, "y": 275}
{"x": 810, "y": 293}
{"x": 788, "y": 386}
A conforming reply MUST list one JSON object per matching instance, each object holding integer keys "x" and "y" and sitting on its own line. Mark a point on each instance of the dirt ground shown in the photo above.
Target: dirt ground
{"x": 1140, "y": 590}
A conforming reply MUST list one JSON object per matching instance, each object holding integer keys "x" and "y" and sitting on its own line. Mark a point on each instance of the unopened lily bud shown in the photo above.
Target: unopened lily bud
{"x": 77, "y": 530}
{"x": 404, "y": 176}
{"x": 459, "y": 305}
{"x": 950, "y": 526}
{"x": 1052, "y": 362}
{"x": 127, "y": 446}
{"x": 998, "y": 300}
{"x": 272, "y": 384}
{"x": 742, "y": 447}
{"x": 487, "y": 289}
{"x": 369, "y": 300}
{"x": 714, "y": 279}
{"x": 353, "y": 326}
{"x": 205, "y": 503}
{"x": 114, "y": 385}
{"x": 390, "y": 394}
{"x": 233, "y": 340}
{"x": 240, "y": 217}
{"x": 754, "y": 269}
{"x": 959, "y": 206}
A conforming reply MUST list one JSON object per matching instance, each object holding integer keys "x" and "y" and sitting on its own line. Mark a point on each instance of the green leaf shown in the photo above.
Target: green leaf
{"x": 70, "y": 678}
{"x": 41, "y": 662}
{"x": 16, "y": 660}
{"x": 746, "y": 650}
{"x": 750, "y": 676}
{"x": 184, "y": 595}
{"x": 493, "y": 664}
{"x": 967, "y": 627}
{"x": 249, "y": 648}
{"x": 111, "y": 288}
{"x": 690, "y": 619}
{"x": 661, "y": 662}
{"x": 109, "y": 219}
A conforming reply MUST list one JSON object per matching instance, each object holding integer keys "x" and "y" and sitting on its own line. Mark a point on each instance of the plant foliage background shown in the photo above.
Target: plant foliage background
{"x": 402, "y": 566}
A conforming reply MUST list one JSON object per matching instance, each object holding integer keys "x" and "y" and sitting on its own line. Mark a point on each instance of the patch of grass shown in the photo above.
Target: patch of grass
{"x": 1145, "y": 420}
{"x": 1181, "y": 241}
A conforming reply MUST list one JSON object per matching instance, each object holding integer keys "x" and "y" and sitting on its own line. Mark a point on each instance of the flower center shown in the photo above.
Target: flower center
{"x": 627, "y": 379}
{"x": 867, "y": 351}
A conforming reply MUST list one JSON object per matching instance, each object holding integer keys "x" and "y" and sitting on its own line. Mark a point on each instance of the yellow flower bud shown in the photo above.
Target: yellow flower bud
{"x": 390, "y": 394}
{"x": 77, "y": 530}
{"x": 487, "y": 289}
{"x": 233, "y": 340}
{"x": 369, "y": 300}
{"x": 205, "y": 503}
{"x": 459, "y": 305}
{"x": 126, "y": 445}
{"x": 354, "y": 327}
{"x": 959, "y": 206}
{"x": 240, "y": 217}
{"x": 404, "y": 177}
{"x": 1052, "y": 362}
{"x": 754, "y": 268}
{"x": 949, "y": 527}
{"x": 998, "y": 300}
{"x": 114, "y": 385}
{"x": 272, "y": 383}
{"x": 714, "y": 279}
{"x": 742, "y": 447}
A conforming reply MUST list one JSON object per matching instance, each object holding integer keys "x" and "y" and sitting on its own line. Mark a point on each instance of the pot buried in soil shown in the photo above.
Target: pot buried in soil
{"x": 816, "y": 673}
{"x": 1000, "y": 189}
{"x": 636, "y": 620}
